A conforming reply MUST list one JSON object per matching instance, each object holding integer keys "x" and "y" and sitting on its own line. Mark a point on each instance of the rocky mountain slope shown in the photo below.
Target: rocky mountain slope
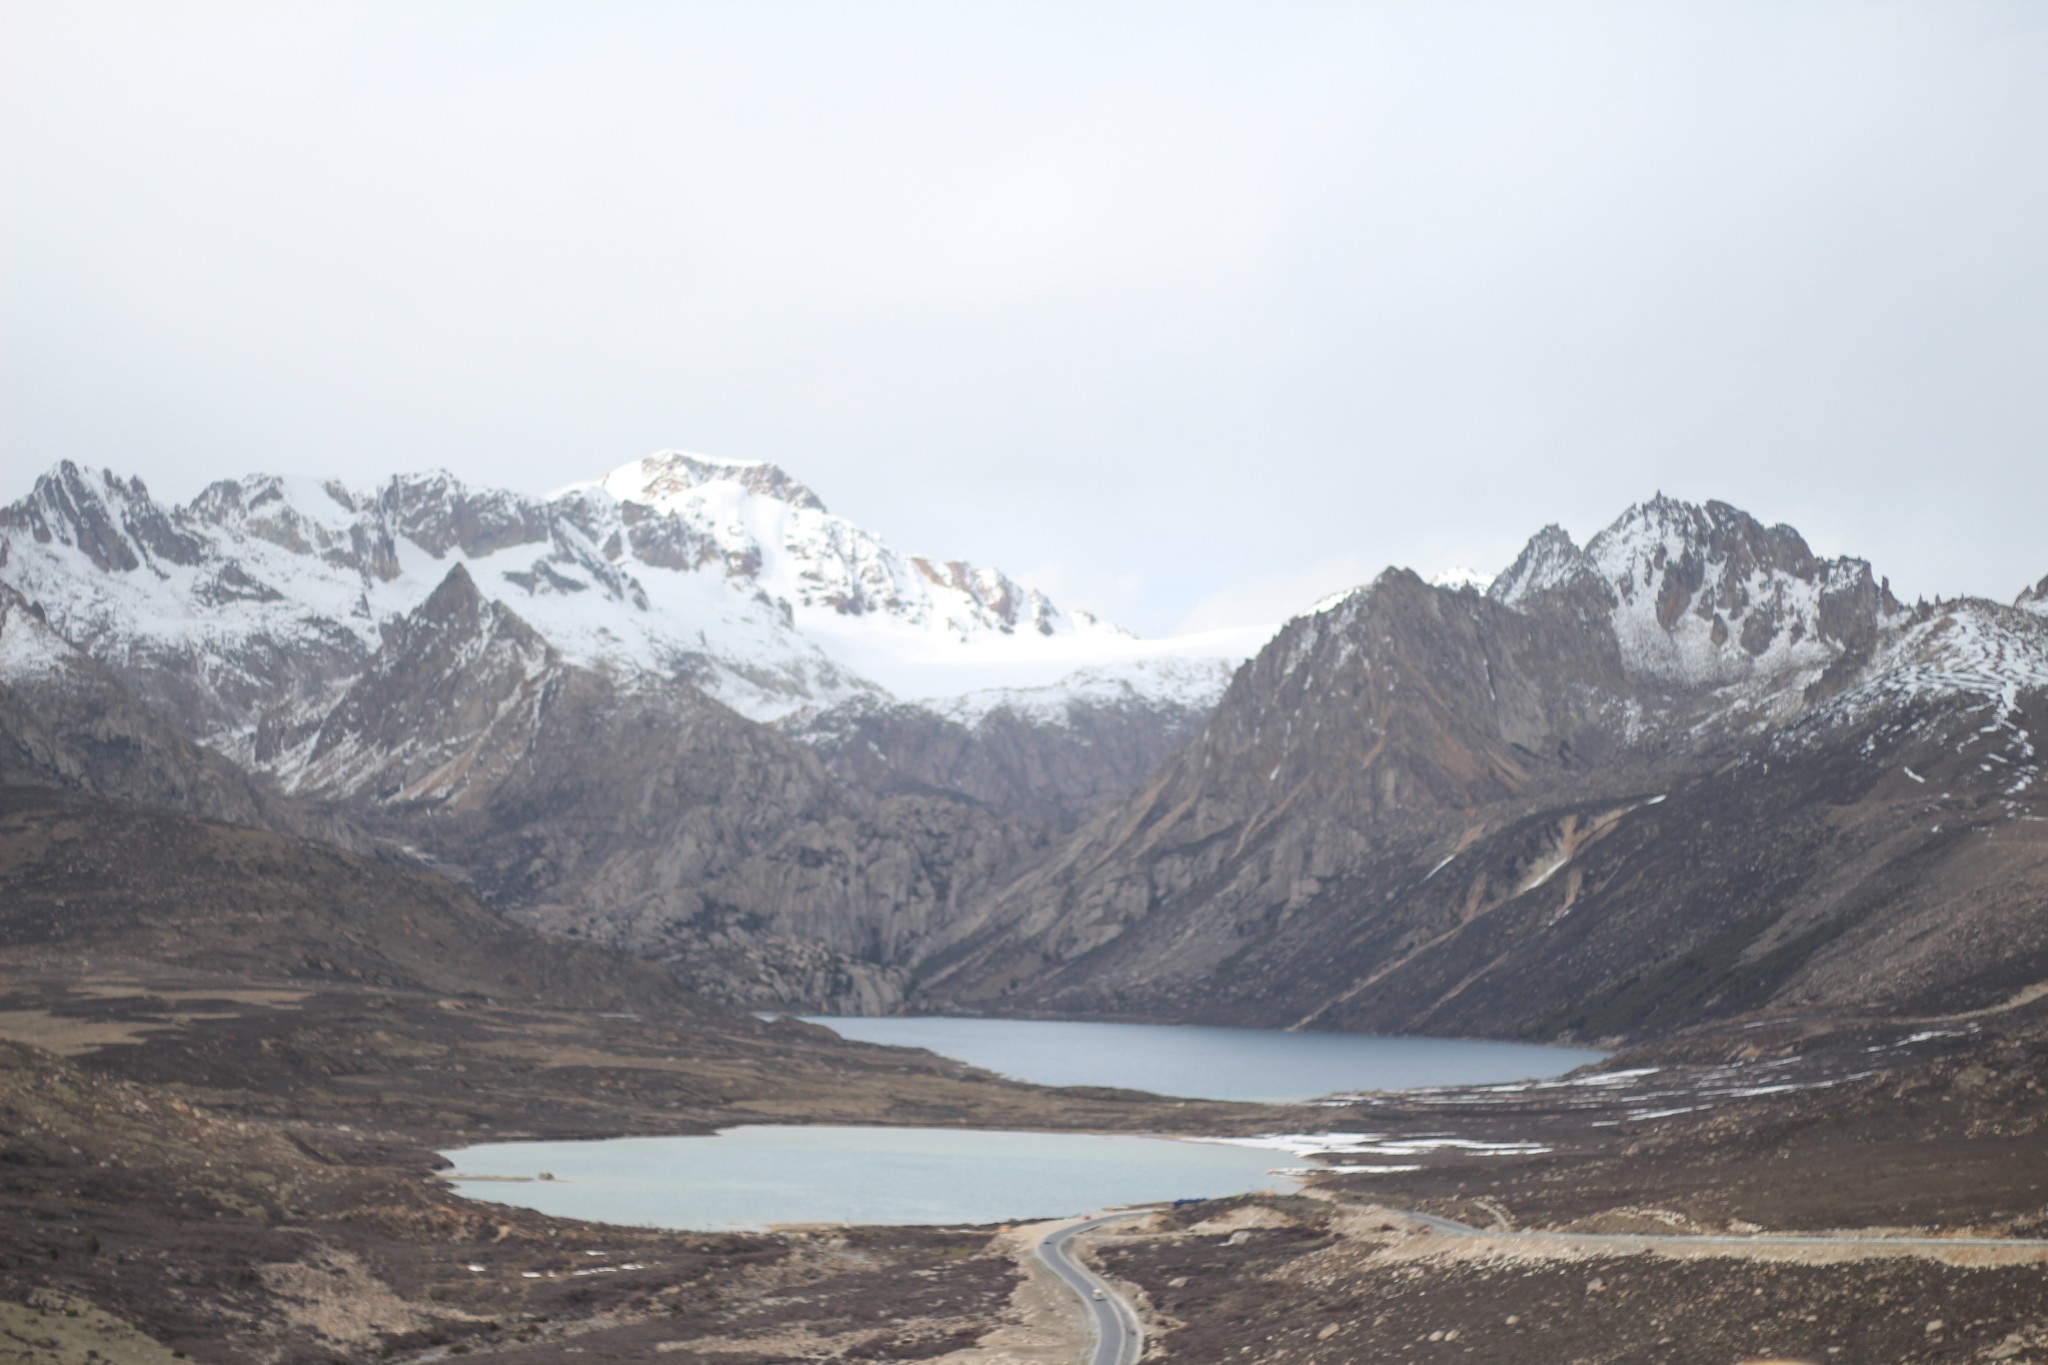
{"x": 538, "y": 695}
{"x": 66, "y": 721}
{"x": 1687, "y": 769}
{"x": 156, "y": 891}
{"x": 245, "y": 614}
{"x": 637, "y": 811}
{"x": 1045, "y": 753}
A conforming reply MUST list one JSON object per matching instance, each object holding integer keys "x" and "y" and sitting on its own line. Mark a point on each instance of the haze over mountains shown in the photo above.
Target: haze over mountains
{"x": 1685, "y": 770}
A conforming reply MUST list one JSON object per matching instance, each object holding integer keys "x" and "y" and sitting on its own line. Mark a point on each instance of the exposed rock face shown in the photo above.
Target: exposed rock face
{"x": 65, "y": 721}
{"x": 1705, "y": 596}
{"x": 639, "y": 812}
{"x": 2034, "y": 598}
{"x": 516, "y": 689}
{"x": 111, "y": 521}
{"x": 1650, "y": 780}
{"x": 1881, "y": 853}
{"x": 1359, "y": 731}
{"x": 438, "y": 710}
{"x": 1049, "y": 758}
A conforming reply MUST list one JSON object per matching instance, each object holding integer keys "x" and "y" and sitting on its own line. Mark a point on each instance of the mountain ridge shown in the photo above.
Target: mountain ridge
{"x": 731, "y": 574}
{"x": 1416, "y": 808}
{"x": 1399, "y": 797}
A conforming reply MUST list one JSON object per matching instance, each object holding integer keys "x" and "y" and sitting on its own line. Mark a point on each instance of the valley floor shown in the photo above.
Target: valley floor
{"x": 222, "y": 1094}
{"x": 1868, "y": 1140}
{"x": 250, "y": 1175}
{"x": 233, "y": 1216}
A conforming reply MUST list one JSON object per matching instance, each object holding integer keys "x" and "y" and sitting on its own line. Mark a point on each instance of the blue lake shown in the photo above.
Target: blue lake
{"x": 763, "y": 1176}
{"x": 767, "y": 1175}
{"x": 1211, "y": 1063}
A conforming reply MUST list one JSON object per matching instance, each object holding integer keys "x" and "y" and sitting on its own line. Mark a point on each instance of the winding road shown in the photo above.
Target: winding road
{"x": 1119, "y": 1340}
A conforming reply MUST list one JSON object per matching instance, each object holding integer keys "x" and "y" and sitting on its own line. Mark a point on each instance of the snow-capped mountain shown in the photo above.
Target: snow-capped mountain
{"x": 1689, "y": 764}
{"x": 1702, "y": 596}
{"x": 526, "y": 692}
{"x": 269, "y": 593}
{"x": 1689, "y": 767}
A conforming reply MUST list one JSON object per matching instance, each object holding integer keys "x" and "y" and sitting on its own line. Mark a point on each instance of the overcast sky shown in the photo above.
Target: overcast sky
{"x": 1189, "y": 313}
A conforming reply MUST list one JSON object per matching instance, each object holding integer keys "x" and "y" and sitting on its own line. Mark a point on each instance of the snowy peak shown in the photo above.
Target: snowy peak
{"x": 2034, "y": 599}
{"x": 264, "y": 595}
{"x": 434, "y": 703}
{"x": 1705, "y": 595}
{"x": 1672, "y": 546}
{"x": 665, "y": 478}
{"x": 762, "y": 526}
{"x": 112, "y": 521}
{"x": 433, "y": 512}
{"x": 1548, "y": 562}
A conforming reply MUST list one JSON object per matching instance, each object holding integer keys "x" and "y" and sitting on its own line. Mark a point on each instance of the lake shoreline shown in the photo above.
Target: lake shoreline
{"x": 754, "y": 1177}
{"x": 1208, "y": 1062}
{"x": 757, "y": 1177}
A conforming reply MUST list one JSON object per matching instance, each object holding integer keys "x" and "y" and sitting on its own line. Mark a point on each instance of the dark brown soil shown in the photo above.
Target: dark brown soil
{"x": 1950, "y": 1137}
{"x": 1279, "y": 1295}
{"x": 235, "y": 1055}
{"x": 224, "y": 1135}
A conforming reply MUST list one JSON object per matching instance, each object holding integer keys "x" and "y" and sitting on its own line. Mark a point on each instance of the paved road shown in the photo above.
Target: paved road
{"x": 1118, "y": 1338}
{"x": 1730, "y": 1239}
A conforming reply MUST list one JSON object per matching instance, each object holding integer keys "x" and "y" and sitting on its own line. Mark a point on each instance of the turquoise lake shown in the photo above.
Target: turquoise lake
{"x": 768, "y": 1175}
{"x": 763, "y": 1176}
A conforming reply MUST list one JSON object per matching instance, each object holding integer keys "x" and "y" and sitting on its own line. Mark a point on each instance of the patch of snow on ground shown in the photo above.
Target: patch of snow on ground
{"x": 1374, "y": 1144}
{"x": 29, "y": 649}
{"x": 1336, "y": 1168}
